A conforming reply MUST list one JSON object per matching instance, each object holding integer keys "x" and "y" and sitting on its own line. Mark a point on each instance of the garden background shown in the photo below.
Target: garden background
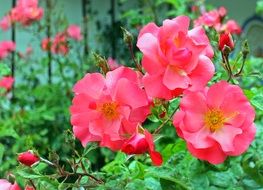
{"x": 35, "y": 115}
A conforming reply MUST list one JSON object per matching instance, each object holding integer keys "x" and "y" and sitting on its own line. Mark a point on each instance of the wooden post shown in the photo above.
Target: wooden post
{"x": 85, "y": 3}
{"x": 48, "y": 34}
{"x": 13, "y": 38}
{"x": 113, "y": 24}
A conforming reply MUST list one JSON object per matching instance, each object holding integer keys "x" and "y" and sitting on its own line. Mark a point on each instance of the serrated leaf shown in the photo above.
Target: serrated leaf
{"x": 257, "y": 101}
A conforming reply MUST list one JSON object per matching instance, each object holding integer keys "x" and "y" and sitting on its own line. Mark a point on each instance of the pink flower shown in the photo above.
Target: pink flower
{"x": 6, "y": 47}
{"x": 222, "y": 12}
{"x": 108, "y": 110}
{"x": 216, "y": 122}
{"x": 74, "y": 32}
{"x": 174, "y": 58}
{"x": 140, "y": 143}
{"x": 6, "y": 185}
{"x": 60, "y": 44}
{"x": 225, "y": 39}
{"x": 7, "y": 82}
{"x": 211, "y": 18}
{"x": 232, "y": 27}
{"x": 46, "y": 44}
{"x": 5, "y": 23}
{"x": 113, "y": 64}
{"x": 26, "y": 12}
{"x": 28, "y": 158}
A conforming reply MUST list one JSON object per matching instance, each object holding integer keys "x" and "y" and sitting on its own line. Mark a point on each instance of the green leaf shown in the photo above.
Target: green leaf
{"x": 257, "y": 101}
{"x": 8, "y": 132}
{"x": 137, "y": 169}
{"x": 135, "y": 185}
{"x": 152, "y": 183}
{"x": 4, "y": 69}
{"x": 28, "y": 173}
{"x": 2, "y": 149}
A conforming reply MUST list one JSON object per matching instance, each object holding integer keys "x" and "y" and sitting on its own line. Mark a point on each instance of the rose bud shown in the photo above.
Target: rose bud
{"x": 225, "y": 39}
{"x": 28, "y": 158}
{"x": 29, "y": 188}
{"x": 140, "y": 143}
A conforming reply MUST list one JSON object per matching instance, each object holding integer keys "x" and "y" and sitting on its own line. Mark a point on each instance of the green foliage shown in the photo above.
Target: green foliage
{"x": 37, "y": 117}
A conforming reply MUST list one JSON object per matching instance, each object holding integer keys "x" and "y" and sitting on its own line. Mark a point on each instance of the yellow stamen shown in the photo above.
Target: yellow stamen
{"x": 109, "y": 110}
{"x": 214, "y": 119}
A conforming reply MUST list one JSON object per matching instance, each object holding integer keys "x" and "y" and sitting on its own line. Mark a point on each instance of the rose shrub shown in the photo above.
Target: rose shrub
{"x": 177, "y": 103}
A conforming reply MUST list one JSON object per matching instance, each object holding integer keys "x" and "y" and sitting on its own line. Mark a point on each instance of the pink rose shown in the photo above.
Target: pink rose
{"x": 5, "y": 23}
{"x": 46, "y": 44}
{"x": 216, "y": 122}
{"x": 6, "y": 47}
{"x": 232, "y": 27}
{"x": 174, "y": 58}
{"x": 140, "y": 143}
{"x": 113, "y": 64}
{"x": 108, "y": 109}
{"x": 7, "y": 82}
{"x": 6, "y": 185}
{"x": 26, "y": 12}
{"x": 60, "y": 44}
{"x": 74, "y": 32}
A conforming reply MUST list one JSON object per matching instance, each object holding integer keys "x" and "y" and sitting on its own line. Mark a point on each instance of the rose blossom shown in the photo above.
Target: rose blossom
{"x": 26, "y": 12}
{"x": 232, "y": 27}
{"x": 46, "y": 44}
{"x": 174, "y": 58}
{"x": 5, "y": 23}
{"x": 113, "y": 64}
{"x": 6, "y": 185}
{"x": 7, "y": 82}
{"x": 74, "y": 32}
{"x": 60, "y": 44}
{"x": 6, "y": 47}
{"x": 108, "y": 110}
{"x": 140, "y": 143}
{"x": 216, "y": 122}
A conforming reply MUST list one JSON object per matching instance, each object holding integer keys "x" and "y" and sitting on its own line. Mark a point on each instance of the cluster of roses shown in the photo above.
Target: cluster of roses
{"x": 28, "y": 159}
{"x": 215, "y": 121}
{"x": 59, "y": 45}
{"x": 25, "y": 12}
{"x": 6, "y": 47}
{"x": 215, "y": 18}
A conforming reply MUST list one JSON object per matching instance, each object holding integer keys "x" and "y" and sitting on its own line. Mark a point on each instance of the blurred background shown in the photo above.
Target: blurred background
{"x": 35, "y": 113}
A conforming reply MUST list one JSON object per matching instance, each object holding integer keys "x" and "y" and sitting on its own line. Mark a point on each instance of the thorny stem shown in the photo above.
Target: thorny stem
{"x": 167, "y": 120}
{"x": 227, "y": 66}
{"x": 66, "y": 174}
{"x": 242, "y": 66}
{"x": 32, "y": 183}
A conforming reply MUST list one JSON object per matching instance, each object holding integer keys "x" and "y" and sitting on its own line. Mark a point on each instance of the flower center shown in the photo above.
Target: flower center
{"x": 109, "y": 110}
{"x": 214, "y": 119}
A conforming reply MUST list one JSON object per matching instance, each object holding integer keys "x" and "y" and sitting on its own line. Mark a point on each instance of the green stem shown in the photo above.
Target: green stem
{"x": 166, "y": 121}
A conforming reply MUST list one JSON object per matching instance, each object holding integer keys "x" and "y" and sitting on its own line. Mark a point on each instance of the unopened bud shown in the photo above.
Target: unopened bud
{"x": 127, "y": 36}
{"x": 245, "y": 48}
{"x": 28, "y": 158}
{"x": 226, "y": 43}
{"x": 101, "y": 62}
